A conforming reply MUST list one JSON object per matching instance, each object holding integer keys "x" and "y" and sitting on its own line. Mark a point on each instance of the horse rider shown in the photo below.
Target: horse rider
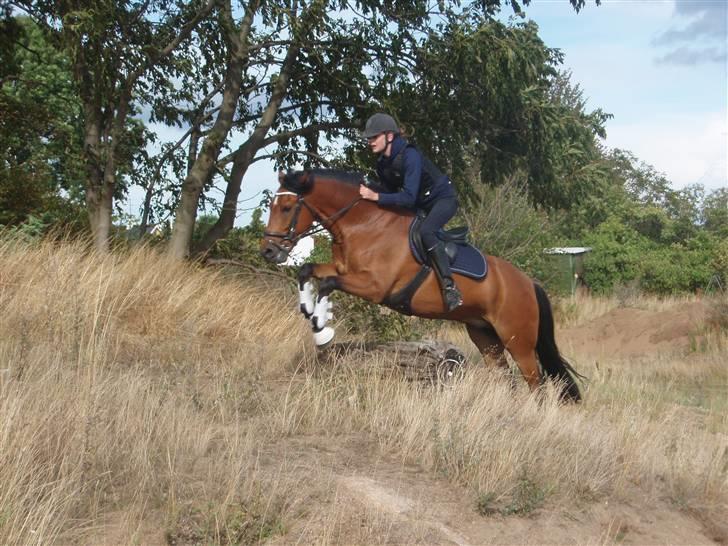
{"x": 414, "y": 182}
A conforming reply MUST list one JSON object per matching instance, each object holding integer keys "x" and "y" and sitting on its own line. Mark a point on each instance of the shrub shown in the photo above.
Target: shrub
{"x": 503, "y": 222}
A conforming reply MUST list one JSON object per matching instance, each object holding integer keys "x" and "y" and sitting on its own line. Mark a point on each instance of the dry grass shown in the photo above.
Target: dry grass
{"x": 136, "y": 395}
{"x": 133, "y": 393}
{"x": 581, "y": 308}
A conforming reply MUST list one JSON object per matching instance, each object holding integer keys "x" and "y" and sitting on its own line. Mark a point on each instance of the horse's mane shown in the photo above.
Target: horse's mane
{"x": 302, "y": 182}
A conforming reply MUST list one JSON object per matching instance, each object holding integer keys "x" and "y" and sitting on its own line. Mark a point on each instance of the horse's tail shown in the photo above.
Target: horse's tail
{"x": 553, "y": 364}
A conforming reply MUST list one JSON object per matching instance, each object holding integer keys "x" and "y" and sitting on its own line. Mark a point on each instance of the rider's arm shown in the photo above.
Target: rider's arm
{"x": 412, "y": 167}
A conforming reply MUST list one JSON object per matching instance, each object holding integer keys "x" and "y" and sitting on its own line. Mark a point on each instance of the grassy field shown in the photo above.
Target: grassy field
{"x": 141, "y": 400}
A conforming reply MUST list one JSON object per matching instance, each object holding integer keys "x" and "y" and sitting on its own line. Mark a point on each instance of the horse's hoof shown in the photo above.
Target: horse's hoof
{"x": 323, "y": 337}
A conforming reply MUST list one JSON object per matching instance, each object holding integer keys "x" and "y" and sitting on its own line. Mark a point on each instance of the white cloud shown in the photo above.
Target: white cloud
{"x": 687, "y": 148}
{"x": 699, "y": 23}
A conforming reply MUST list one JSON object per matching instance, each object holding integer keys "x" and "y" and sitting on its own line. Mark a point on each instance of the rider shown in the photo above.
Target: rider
{"x": 415, "y": 183}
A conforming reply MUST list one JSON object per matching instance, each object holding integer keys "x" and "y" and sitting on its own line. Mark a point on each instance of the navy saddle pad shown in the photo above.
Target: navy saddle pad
{"x": 468, "y": 261}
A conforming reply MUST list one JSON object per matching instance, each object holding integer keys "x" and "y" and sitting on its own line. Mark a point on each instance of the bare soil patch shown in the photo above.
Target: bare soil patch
{"x": 629, "y": 332}
{"x": 357, "y": 495}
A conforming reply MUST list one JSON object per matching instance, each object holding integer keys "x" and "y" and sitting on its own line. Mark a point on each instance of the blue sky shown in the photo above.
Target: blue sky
{"x": 660, "y": 68}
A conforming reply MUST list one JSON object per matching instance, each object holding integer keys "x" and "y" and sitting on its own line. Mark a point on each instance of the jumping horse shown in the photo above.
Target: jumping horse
{"x": 373, "y": 259}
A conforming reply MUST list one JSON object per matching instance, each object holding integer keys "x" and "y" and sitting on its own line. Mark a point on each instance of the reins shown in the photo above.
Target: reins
{"x": 324, "y": 223}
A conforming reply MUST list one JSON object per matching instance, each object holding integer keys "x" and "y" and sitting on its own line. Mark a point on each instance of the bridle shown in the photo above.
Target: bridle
{"x": 290, "y": 236}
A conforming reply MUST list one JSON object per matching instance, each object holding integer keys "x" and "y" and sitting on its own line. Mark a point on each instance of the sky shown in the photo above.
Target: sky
{"x": 658, "y": 66}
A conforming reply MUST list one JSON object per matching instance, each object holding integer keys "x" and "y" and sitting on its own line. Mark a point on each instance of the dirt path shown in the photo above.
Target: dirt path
{"x": 354, "y": 495}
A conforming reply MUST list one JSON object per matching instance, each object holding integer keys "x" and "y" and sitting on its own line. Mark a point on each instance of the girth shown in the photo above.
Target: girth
{"x": 401, "y": 301}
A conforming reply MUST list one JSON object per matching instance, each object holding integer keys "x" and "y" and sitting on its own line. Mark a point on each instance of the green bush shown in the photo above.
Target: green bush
{"x": 677, "y": 268}
{"x": 621, "y": 256}
{"x": 616, "y": 256}
{"x": 719, "y": 262}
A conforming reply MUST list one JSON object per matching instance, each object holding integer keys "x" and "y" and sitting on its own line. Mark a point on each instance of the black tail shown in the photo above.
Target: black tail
{"x": 553, "y": 364}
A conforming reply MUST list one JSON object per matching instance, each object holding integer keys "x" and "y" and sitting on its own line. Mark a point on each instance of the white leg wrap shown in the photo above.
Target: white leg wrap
{"x": 324, "y": 336}
{"x": 321, "y": 313}
{"x": 306, "y": 299}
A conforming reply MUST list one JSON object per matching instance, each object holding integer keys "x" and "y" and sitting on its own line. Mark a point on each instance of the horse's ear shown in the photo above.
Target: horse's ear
{"x": 305, "y": 181}
{"x": 281, "y": 177}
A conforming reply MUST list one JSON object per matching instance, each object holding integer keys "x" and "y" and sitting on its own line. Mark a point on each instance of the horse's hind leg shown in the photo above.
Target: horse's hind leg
{"x": 489, "y": 345}
{"x": 525, "y": 356}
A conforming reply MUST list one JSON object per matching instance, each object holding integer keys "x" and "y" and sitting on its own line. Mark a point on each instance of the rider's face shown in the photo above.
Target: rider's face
{"x": 378, "y": 143}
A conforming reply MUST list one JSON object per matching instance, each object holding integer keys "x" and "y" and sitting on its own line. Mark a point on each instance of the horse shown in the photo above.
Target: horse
{"x": 503, "y": 311}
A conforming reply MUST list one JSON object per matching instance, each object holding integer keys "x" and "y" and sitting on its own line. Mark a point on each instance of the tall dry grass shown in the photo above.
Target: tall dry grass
{"x": 131, "y": 395}
{"x": 137, "y": 395}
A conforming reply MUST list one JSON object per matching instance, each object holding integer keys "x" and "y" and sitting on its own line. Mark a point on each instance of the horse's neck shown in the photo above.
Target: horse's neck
{"x": 351, "y": 213}
{"x": 329, "y": 204}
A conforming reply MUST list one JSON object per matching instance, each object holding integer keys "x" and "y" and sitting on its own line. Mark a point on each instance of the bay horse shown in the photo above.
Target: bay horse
{"x": 504, "y": 311}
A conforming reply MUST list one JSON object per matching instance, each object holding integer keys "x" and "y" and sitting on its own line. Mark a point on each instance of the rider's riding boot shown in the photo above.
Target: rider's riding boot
{"x": 441, "y": 263}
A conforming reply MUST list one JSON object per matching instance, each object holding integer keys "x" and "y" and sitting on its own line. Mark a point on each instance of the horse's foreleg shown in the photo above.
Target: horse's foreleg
{"x": 360, "y": 284}
{"x": 317, "y": 308}
{"x": 322, "y": 334}
{"x": 305, "y": 290}
{"x": 306, "y": 295}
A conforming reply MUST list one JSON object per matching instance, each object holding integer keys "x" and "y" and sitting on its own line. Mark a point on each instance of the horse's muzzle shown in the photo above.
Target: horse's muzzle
{"x": 274, "y": 253}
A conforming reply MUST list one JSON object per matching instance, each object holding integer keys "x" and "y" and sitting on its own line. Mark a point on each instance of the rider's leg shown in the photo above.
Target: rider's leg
{"x": 441, "y": 211}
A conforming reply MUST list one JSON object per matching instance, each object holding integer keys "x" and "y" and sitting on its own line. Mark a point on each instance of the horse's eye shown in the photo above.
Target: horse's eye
{"x": 286, "y": 209}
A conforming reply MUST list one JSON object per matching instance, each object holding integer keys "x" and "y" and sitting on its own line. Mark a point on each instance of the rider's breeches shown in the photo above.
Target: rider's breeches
{"x": 442, "y": 210}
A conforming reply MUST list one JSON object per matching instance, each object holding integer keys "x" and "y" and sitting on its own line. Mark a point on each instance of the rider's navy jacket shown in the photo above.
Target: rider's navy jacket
{"x": 412, "y": 170}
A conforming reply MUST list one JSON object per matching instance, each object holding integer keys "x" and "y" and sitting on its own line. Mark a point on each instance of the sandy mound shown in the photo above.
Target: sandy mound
{"x": 629, "y": 332}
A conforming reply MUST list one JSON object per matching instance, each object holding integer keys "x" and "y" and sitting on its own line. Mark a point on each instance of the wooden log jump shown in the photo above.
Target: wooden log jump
{"x": 435, "y": 362}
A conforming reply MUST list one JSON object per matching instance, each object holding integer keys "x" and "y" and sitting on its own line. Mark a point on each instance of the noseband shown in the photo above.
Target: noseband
{"x": 324, "y": 223}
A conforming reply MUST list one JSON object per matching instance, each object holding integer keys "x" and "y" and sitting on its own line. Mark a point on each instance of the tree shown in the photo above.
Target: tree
{"x": 486, "y": 102}
{"x": 40, "y": 144}
{"x": 312, "y": 71}
{"x": 119, "y": 52}
{"x": 715, "y": 212}
{"x": 305, "y": 70}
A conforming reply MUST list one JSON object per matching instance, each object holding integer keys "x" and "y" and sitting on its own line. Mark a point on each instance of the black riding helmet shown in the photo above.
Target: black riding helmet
{"x": 380, "y": 123}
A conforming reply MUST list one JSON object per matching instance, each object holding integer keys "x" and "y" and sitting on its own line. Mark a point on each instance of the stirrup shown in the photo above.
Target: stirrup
{"x": 452, "y": 297}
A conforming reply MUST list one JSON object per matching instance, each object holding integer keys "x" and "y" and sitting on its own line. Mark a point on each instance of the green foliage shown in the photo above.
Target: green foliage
{"x": 719, "y": 262}
{"x": 241, "y": 244}
{"x": 321, "y": 252}
{"x": 617, "y": 252}
{"x": 621, "y": 255}
{"x": 678, "y": 268}
{"x": 526, "y": 497}
{"x": 503, "y": 222}
{"x": 644, "y": 232}
{"x": 40, "y": 143}
{"x": 484, "y": 504}
{"x": 715, "y": 213}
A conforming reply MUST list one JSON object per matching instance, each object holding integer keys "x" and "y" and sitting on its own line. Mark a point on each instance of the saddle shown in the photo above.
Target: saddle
{"x": 464, "y": 259}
